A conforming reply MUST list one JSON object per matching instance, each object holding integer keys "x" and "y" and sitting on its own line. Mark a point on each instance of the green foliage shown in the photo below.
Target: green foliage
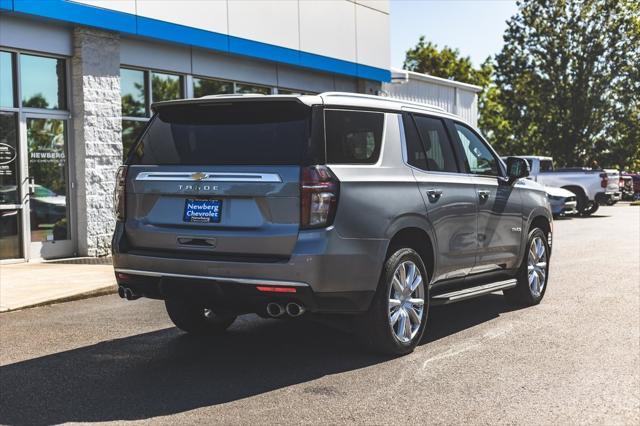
{"x": 566, "y": 82}
{"x": 569, "y": 82}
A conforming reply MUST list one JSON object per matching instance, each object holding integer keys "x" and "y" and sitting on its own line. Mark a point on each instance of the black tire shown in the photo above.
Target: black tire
{"x": 195, "y": 318}
{"x": 590, "y": 208}
{"x": 373, "y": 327}
{"x": 522, "y": 294}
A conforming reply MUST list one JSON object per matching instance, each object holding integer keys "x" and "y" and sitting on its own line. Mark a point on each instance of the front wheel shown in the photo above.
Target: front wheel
{"x": 396, "y": 319}
{"x": 590, "y": 208}
{"x": 534, "y": 272}
{"x": 195, "y": 318}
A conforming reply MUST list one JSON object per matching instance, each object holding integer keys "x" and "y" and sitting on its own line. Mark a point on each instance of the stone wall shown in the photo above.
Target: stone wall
{"x": 97, "y": 140}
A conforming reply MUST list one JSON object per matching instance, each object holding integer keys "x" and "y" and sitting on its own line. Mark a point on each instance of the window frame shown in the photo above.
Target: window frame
{"x": 463, "y": 157}
{"x": 350, "y": 109}
{"x": 422, "y": 144}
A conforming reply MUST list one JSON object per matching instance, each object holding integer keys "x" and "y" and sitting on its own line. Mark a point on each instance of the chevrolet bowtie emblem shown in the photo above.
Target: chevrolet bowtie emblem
{"x": 198, "y": 176}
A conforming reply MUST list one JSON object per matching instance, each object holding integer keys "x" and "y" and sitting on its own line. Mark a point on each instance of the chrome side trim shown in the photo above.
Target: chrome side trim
{"x": 249, "y": 281}
{"x": 209, "y": 176}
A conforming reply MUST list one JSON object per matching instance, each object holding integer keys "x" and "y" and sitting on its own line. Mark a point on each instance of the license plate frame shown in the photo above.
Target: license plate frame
{"x": 202, "y": 210}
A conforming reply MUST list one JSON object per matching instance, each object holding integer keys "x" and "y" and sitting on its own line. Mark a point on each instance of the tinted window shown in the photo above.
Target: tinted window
{"x": 546, "y": 165}
{"x": 165, "y": 87}
{"x": 353, "y": 137}
{"x": 204, "y": 87}
{"x": 415, "y": 153}
{"x": 133, "y": 93}
{"x": 130, "y": 131}
{"x": 439, "y": 155}
{"x": 262, "y": 133}
{"x": 6, "y": 79}
{"x": 480, "y": 160}
{"x": 42, "y": 82}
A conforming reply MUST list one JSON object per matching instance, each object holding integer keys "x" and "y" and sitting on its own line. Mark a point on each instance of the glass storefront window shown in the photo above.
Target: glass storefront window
{"x": 43, "y": 82}
{"x": 6, "y": 80}
{"x": 48, "y": 183}
{"x": 165, "y": 87}
{"x": 130, "y": 131}
{"x": 133, "y": 92}
{"x": 10, "y": 232}
{"x": 204, "y": 87}
{"x": 249, "y": 88}
{"x": 9, "y": 158}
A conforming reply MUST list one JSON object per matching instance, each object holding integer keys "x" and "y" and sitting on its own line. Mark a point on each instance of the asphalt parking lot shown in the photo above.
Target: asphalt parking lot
{"x": 575, "y": 358}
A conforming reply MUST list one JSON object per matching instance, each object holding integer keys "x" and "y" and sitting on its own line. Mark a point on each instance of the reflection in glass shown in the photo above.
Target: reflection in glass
{"x": 130, "y": 131}
{"x": 204, "y": 87}
{"x": 6, "y": 79}
{"x": 133, "y": 93}
{"x": 48, "y": 184}
{"x": 249, "y": 88}
{"x": 42, "y": 81}
{"x": 165, "y": 87}
{"x": 8, "y": 158}
{"x": 10, "y": 242}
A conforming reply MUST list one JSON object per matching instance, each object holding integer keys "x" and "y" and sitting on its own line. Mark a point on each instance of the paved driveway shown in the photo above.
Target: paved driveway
{"x": 573, "y": 359}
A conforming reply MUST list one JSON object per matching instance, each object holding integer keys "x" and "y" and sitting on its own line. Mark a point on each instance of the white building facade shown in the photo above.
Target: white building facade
{"x": 77, "y": 79}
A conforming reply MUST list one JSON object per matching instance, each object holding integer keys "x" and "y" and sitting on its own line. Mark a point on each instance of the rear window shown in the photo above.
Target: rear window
{"x": 353, "y": 137}
{"x": 234, "y": 133}
{"x": 546, "y": 165}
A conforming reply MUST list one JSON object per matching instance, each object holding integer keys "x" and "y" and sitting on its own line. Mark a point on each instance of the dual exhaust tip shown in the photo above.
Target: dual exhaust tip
{"x": 276, "y": 310}
{"x": 127, "y": 293}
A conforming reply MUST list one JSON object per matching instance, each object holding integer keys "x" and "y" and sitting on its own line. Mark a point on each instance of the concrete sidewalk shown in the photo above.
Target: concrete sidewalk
{"x": 24, "y": 285}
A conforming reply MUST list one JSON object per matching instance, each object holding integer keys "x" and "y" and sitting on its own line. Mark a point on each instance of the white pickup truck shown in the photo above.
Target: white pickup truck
{"x": 592, "y": 187}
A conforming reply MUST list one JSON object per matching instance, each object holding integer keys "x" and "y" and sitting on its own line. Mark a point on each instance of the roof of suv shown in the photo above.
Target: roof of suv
{"x": 327, "y": 98}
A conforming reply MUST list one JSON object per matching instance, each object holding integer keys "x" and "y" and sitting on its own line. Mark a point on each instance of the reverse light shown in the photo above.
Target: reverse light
{"x": 120, "y": 194}
{"x": 319, "y": 190}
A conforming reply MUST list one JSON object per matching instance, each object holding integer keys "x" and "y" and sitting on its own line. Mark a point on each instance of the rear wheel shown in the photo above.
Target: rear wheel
{"x": 195, "y": 318}
{"x": 590, "y": 208}
{"x": 534, "y": 272}
{"x": 396, "y": 319}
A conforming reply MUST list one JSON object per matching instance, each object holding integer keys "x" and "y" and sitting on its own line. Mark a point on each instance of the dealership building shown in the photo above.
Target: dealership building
{"x": 77, "y": 79}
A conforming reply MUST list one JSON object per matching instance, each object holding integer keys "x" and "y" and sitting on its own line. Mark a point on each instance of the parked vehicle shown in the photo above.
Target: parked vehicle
{"x": 627, "y": 186}
{"x": 563, "y": 202}
{"x": 613, "y": 193}
{"x": 590, "y": 186}
{"x": 322, "y": 205}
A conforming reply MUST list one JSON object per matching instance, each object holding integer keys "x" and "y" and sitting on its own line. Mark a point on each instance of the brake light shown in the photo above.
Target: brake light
{"x": 269, "y": 289}
{"x": 604, "y": 180}
{"x": 319, "y": 190}
{"x": 120, "y": 194}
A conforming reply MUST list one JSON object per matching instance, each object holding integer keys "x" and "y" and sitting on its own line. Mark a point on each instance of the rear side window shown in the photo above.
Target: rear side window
{"x": 353, "y": 137}
{"x": 234, "y": 133}
{"x": 546, "y": 165}
{"x": 437, "y": 147}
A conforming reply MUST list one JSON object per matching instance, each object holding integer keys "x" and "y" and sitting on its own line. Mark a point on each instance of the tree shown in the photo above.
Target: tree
{"x": 447, "y": 63}
{"x": 568, "y": 81}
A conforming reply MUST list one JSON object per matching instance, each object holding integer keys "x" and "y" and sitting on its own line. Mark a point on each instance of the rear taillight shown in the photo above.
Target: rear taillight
{"x": 319, "y": 190}
{"x": 604, "y": 180}
{"x": 120, "y": 194}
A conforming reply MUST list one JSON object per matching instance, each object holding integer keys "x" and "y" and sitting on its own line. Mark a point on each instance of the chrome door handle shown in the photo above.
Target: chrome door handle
{"x": 434, "y": 194}
{"x": 484, "y": 194}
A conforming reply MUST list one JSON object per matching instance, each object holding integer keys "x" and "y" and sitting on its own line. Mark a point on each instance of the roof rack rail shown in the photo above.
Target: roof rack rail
{"x": 383, "y": 98}
{"x": 230, "y": 94}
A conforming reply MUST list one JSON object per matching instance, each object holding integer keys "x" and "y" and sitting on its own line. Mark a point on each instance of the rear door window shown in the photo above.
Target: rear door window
{"x": 546, "y": 166}
{"x": 233, "y": 133}
{"x": 437, "y": 146}
{"x": 353, "y": 137}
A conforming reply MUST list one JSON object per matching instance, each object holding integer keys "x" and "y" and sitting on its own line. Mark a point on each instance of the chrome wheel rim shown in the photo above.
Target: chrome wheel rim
{"x": 406, "y": 301}
{"x": 537, "y": 266}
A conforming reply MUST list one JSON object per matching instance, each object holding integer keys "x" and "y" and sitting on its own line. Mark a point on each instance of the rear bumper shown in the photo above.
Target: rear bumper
{"x": 329, "y": 273}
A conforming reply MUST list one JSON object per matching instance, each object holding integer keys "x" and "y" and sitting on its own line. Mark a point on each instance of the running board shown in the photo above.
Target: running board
{"x": 468, "y": 293}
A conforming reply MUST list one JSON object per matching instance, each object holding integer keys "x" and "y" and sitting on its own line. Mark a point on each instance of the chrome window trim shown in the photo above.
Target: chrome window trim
{"x": 248, "y": 281}
{"x": 209, "y": 177}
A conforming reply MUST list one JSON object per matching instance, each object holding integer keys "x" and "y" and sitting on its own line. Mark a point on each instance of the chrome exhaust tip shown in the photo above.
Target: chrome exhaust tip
{"x": 294, "y": 309}
{"x": 127, "y": 293}
{"x": 275, "y": 310}
{"x": 121, "y": 292}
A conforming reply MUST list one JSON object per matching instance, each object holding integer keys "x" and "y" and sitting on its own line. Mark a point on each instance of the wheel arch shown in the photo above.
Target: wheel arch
{"x": 417, "y": 233}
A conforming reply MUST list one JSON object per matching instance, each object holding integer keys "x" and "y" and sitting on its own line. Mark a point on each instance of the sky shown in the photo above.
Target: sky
{"x": 474, "y": 27}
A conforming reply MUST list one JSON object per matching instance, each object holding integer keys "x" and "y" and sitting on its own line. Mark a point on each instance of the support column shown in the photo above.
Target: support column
{"x": 97, "y": 136}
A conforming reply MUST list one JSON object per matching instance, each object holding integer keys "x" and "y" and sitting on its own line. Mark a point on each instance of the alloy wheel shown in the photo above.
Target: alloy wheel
{"x": 537, "y": 266}
{"x": 406, "y": 301}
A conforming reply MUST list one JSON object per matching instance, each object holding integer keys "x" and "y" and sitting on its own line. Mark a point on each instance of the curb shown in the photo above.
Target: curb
{"x": 111, "y": 289}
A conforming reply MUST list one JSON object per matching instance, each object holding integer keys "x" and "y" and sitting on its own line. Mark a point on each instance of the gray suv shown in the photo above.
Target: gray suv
{"x": 335, "y": 204}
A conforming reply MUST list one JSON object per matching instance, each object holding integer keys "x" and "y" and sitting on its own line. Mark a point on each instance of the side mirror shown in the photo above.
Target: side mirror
{"x": 517, "y": 168}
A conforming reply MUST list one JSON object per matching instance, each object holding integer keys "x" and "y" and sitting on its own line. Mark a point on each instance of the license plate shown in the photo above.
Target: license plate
{"x": 202, "y": 211}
